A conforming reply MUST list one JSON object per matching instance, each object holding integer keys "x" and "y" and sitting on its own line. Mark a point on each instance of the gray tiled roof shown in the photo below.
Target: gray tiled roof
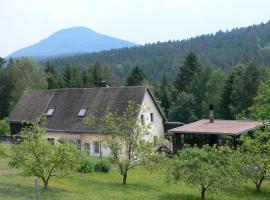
{"x": 68, "y": 102}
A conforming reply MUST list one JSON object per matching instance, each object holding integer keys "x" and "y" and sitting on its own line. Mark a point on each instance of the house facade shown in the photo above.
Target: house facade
{"x": 66, "y": 111}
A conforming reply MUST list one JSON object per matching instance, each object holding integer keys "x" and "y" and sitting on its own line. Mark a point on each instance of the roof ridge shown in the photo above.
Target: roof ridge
{"x": 90, "y": 88}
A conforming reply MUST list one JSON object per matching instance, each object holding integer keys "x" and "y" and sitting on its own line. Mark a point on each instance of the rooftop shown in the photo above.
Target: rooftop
{"x": 221, "y": 127}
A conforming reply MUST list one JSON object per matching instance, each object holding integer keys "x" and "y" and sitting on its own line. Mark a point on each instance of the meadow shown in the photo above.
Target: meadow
{"x": 98, "y": 186}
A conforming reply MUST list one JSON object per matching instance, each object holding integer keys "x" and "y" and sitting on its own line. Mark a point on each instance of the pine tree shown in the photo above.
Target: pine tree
{"x": 135, "y": 77}
{"x": 186, "y": 72}
{"x": 165, "y": 95}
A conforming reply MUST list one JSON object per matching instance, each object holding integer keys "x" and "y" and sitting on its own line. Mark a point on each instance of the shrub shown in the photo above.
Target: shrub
{"x": 92, "y": 164}
{"x": 4, "y": 127}
{"x": 102, "y": 166}
{"x": 87, "y": 165}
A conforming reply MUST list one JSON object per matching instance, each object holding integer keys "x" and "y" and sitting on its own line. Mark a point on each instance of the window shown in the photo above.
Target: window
{"x": 50, "y": 111}
{"x": 51, "y": 140}
{"x": 96, "y": 147}
{"x": 152, "y": 117}
{"x": 87, "y": 148}
{"x": 82, "y": 112}
{"x": 155, "y": 141}
{"x": 142, "y": 119}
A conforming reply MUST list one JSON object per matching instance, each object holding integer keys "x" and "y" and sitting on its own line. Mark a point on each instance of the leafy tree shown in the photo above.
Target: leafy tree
{"x": 209, "y": 168}
{"x": 26, "y": 75}
{"x": 4, "y": 127}
{"x": 245, "y": 88}
{"x": 6, "y": 87}
{"x": 135, "y": 77}
{"x": 184, "y": 109}
{"x": 186, "y": 72}
{"x": 260, "y": 110}
{"x": 2, "y": 62}
{"x": 255, "y": 157}
{"x": 226, "y": 98}
{"x": 127, "y": 139}
{"x": 39, "y": 158}
{"x": 206, "y": 88}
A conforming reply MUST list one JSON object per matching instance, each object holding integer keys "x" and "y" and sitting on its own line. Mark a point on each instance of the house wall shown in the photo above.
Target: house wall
{"x": 148, "y": 106}
{"x": 84, "y": 138}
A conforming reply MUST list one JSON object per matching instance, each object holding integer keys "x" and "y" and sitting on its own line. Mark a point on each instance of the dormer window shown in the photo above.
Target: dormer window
{"x": 50, "y": 111}
{"x": 82, "y": 112}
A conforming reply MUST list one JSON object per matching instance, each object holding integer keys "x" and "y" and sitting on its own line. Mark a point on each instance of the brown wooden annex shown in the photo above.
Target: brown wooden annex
{"x": 211, "y": 132}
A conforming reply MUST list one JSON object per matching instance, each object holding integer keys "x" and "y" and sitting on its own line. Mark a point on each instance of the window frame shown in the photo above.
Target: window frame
{"x": 84, "y": 113}
{"x": 96, "y": 146}
{"x": 50, "y": 111}
{"x": 142, "y": 120}
{"x": 152, "y": 117}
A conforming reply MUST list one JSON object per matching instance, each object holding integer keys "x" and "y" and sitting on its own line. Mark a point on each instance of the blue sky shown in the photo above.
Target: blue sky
{"x": 25, "y": 22}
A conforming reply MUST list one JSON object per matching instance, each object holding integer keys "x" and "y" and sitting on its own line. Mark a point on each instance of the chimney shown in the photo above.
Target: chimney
{"x": 211, "y": 113}
{"x": 102, "y": 83}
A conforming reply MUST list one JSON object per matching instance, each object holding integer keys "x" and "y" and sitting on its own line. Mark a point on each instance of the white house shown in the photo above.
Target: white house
{"x": 67, "y": 109}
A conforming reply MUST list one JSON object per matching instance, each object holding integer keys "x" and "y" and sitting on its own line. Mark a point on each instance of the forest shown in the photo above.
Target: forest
{"x": 185, "y": 98}
{"x": 222, "y": 50}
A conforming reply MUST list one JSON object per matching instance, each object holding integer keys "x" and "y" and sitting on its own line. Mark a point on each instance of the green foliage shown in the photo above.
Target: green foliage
{"x": 135, "y": 77}
{"x": 6, "y": 88}
{"x": 127, "y": 139}
{"x": 90, "y": 164}
{"x": 184, "y": 109}
{"x": 165, "y": 95}
{"x": 254, "y": 157}
{"x": 87, "y": 164}
{"x": 36, "y": 157}
{"x": 208, "y": 168}
{"x": 102, "y": 165}
{"x": 222, "y": 49}
{"x": 186, "y": 72}
{"x": 4, "y": 127}
{"x": 260, "y": 110}
{"x": 206, "y": 87}
{"x": 26, "y": 75}
{"x": 54, "y": 80}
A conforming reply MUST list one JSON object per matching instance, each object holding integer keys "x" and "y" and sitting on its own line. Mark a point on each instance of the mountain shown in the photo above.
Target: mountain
{"x": 72, "y": 41}
{"x": 222, "y": 49}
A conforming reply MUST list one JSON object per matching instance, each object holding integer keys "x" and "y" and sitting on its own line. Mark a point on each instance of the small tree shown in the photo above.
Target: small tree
{"x": 39, "y": 158}
{"x": 255, "y": 157}
{"x": 128, "y": 140}
{"x": 4, "y": 127}
{"x": 208, "y": 167}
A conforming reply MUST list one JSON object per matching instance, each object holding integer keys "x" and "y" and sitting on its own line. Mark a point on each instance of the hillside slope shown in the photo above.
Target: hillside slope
{"x": 223, "y": 49}
{"x": 72, "y": 41}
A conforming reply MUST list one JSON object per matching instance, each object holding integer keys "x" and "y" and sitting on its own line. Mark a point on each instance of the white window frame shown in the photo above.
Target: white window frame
{"x": 50, "y": 112}
{"x": 82, "y": 112}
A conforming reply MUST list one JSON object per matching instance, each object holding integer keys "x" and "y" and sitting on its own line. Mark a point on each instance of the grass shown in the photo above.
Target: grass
{"x": 141, "y": 185}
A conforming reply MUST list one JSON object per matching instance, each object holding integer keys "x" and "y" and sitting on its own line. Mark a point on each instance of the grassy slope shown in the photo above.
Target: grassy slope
{"x": 141, "y": 185}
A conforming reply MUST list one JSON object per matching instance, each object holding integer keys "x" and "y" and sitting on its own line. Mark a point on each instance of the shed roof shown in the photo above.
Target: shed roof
{"x": 68, "y": 102}
{"x": 220, "y": 127}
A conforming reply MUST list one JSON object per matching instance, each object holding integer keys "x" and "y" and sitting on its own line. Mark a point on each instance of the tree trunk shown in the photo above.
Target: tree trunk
{"x": 125, "y": 179}
{"x": 45, "y": 184}
{"x": 258, "y": 185}
{"x": 203, "y": 193}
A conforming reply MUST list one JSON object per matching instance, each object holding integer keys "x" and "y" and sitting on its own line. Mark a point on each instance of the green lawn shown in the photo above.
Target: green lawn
{"x": 141, "y": 185}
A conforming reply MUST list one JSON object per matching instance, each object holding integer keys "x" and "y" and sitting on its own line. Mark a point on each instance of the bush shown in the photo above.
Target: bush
{"x": 87, "y": 165}
{"x": 92, "y": 164}
{"x": 4, "y": 127}
{"x": 102, "y": 166}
